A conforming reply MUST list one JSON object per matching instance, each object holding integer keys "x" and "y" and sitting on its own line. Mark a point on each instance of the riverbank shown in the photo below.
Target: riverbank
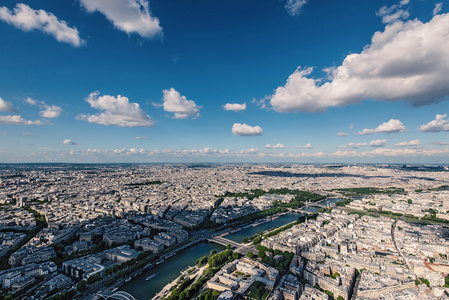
{"x": 168, "y": 271}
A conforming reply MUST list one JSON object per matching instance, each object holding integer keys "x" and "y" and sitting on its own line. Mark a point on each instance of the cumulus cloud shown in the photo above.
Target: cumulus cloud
{"x": 234, "y": 106}
{"x": 407, "y": 61}
{"x": 390, "y": 127}
{"x": 366, "y": 131}
{"x": 117, "y": 111}
{"x": 47, "y": 111}
{"x": 141, "y": 137}
{"x": 25, "y": 18}
{"x": 26, "y": 133}
{"x": 130, "y": 16}
{"x": 50, "y": 111}
{"x": 342, "y": 134}
{"x": 18, "y": 120}
{"x": 68, "y": 142}
{"x": 408, "y": 144}
{"x": 439, "y": 124}
{"x": 30, "y": 101}
{"x": 294, "y": 7}
{"x": 377, "y": 143}
{"x": 6, "y": 106}
{"x": 308, "y": 146}
{"x": 387, "y": 127}
{"x": 437, "y": 8}
{"x": 246, "y": 130}
{"x": 179, "y": 105}
{"x": 277, "y": 146}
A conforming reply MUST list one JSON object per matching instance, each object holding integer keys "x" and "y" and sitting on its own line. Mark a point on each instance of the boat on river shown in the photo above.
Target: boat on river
{"x": 151, "y": 276}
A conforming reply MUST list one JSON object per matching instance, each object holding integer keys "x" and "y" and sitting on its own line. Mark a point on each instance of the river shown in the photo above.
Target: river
{"x": 168, "y": 271}
{"x": 247, "y": 232}
{"x": 171, "y": 268}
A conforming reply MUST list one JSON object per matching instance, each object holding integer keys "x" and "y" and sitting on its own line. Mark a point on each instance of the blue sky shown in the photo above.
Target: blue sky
{"x": 224, "y": 81}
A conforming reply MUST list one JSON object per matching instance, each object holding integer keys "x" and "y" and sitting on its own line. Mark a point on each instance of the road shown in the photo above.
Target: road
{"x": 393, "y": 228}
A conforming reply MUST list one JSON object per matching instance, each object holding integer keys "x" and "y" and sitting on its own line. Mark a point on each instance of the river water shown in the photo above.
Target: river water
{"x": 247, "y": 232}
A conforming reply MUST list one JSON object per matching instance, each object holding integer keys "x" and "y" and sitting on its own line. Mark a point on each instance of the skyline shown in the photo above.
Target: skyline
{"x": 260, "y": 81}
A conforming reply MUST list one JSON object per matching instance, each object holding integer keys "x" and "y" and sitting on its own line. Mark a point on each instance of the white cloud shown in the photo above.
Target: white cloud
{"x": 407, "y": 61}
{"x": 393, "y": 13}
{"x": 204, "y": 152}
{"x": 6, "y": 106}
{"x": 25, "y": 18}
{"x": 353, "y": 145}
{"x": 3, "y": 133}
{"x": 186, "y": 154}
{"x": 437, "y": 8}
{"x": 118, "y": 111}
{"x": 294, "y": 7}
{"x": 26, "y": 133}
{"x": 262, "y": 103}
{"x": 392, "y": 153}
{"x": 435, "y": 143}
{"x": 18, "y": 120}
{"x": 366, "y": 131}
{"x": 47, "y": 111}
{"x": 141, "y": 137}
{"x": 234, "y": 106}
{"x": 130, "y": 16}
{"x": 342, "y": 134}
{"x": 294, "y": 155}
{"x": 68, "y": 142}
{"x": 248, "y": 151}
{"x": 390, "y": 127}
{"x": 246, "y": 130}
{"x": 179, "y": 105}
{"x": 277, "y": 146}
{"x": 308, "y": 146}
{"x": 437, "y": 125}
{"x": 377, "y": 143}
{"x": 30, "y": 101}
{"x": 387, "y": 127}
{"x": 408, "y": 144}
{"x": 50, "y": 111}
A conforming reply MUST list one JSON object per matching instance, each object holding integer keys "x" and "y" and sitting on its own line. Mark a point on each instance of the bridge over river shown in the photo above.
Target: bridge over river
{"x": 120, "y": 295}
{"x": 240, "y": 248}
{"x": 222, "y": 241}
